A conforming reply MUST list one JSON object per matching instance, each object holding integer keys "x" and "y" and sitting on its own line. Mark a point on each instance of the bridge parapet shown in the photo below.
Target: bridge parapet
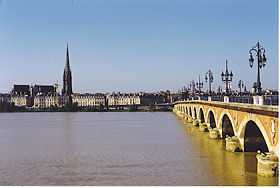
{"x": 252, "y": 108}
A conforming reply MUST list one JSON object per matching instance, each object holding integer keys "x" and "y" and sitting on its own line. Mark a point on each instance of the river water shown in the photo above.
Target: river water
{"x": 116, "y": 148}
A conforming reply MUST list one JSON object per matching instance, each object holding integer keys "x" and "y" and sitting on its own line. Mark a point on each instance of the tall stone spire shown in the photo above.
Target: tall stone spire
{"x": 67, "y": 64}
{"x": 67, "y": 77}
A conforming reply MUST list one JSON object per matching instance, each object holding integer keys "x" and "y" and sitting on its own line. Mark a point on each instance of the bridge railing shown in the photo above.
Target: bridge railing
{"x": 241, "y": 99}
{"x": 271, "y": 100}
{"x": 219, "y": 98}
{"x": 195, "y": 98}
{"x": 204, "y": 98}
{"x": 267, "y": 99}
{"x": 249, "y": 99}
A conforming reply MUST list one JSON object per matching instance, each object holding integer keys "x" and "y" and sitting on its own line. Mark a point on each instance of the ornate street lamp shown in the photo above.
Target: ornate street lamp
{"x": 227, "y": 78}
{"x": 219, "y": 90}
{"x": 245, "y": 89}
{"x": 199, "y": 85}
{"x": 192, "y": 86}
{"x": 189, "y": 87}
{"x": 260, "y": 53}
{"x": 240, "y": 85}
{"x": 209, "y": 76}
{"x": 184, "y": 93}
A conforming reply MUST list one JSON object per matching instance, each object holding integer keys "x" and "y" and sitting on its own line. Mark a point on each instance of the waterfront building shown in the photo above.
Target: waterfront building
{"x": 21, "y": 96}
{"x": 151, "y": 98}
{"x": 89, "y": 100}
{"x": 22, "y": 100}
{"x": 37, "y": 96}
{"x": 47, "y": 101}
{"x": 134, "y": 99}
{"x": 167, "y": 96}
{"x": 123, "y": 99}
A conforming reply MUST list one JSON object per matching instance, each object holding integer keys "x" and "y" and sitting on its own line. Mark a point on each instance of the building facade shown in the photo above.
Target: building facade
{"x": 135, "y": 99}
{"x": 21, "y": 96}
{"x": 22, "y": 100}
{"x": 123, "y": 99}
{"x": 47, "y": 101}
{"x": 89, "y": 100}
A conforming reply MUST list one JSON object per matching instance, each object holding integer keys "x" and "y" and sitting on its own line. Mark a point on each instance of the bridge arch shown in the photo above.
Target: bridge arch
{"x": 253, "y": 135}
{"x": 220, "y": 117}
{"x": 201, "y": 115}
{"x": 211, "y": 119}
{"x": 253, "y": 138}
{"x": 190, "y": 111}
{"x": 226, "y": 123}
{"x": 195, "y": 114}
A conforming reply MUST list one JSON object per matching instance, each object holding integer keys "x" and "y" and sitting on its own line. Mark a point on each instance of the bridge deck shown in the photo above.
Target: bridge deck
{"x": 250, "y": 108}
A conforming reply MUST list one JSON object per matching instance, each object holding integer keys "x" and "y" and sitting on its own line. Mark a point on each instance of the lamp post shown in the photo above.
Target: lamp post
{"x": 209, "y": 78}
{"x": 260, "y": 53}
{"x": 192, "y": 86}
{"x": 219, "y": 90}
{"x": 227, "y": 78}
{"x": 245, "y": 89}
{"x": 189, "y": 88}
{"x": 240, "y": 85}
{"x": 199, "y": 85}
{"x": 184, "y": 93}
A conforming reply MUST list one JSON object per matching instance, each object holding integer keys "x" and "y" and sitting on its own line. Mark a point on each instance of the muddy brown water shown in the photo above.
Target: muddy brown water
{"x": 118, "y": 148}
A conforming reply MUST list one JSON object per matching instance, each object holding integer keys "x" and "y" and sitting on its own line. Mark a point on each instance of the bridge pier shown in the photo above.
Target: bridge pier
{"x": 195, "y": 122}
{"x": 267, "y": 164}
{"x": 233, "y": 144}
{"x": 185, "y": 119}
{"x": 190, "y": 120}
{"x": 203, "y": 127}
{"x": 214, "y": 133}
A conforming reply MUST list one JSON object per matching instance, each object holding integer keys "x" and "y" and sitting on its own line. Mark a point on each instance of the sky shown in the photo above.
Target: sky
{"x": 135, "y": 45}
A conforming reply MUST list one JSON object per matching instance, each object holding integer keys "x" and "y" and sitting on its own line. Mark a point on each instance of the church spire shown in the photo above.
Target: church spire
{"x": 67, "y": 64}
{"x": 67, "y": 76}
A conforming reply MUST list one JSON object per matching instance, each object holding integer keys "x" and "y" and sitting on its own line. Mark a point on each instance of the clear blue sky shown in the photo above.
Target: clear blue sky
{"x": 135, "y": 45}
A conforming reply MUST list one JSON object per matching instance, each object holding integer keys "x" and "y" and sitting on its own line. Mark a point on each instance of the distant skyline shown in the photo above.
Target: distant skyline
{"x": 139, "y": 45}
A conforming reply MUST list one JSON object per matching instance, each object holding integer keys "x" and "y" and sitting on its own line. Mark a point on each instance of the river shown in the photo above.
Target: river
{"x": 116, "y": 148}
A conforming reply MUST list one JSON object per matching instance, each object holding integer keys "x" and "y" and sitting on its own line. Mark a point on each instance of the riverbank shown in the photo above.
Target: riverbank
{"x": 24, "y": 110}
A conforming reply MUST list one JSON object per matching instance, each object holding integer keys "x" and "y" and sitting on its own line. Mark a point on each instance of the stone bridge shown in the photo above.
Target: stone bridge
{"x": 255, "y": 126}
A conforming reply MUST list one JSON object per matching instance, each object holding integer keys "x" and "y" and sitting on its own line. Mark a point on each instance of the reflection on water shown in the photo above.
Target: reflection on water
{"x": 116, "y": 149}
